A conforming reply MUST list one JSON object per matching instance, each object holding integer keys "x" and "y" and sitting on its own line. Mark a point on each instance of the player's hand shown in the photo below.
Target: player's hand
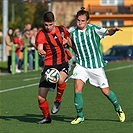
{"x": 65, "y": 41}
{"x": 117, "y": 29}
{"x": 41, "y": 52}
{"x": 113, "y": 30}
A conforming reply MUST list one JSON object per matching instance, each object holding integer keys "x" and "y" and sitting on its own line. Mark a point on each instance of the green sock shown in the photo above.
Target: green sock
{"x": 113, "y": 99}
{"x": 78, "y": 103}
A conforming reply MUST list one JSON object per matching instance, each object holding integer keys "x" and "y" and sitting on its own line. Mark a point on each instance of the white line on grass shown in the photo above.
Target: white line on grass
{"x": 30, "y": 85}
{"x": 118, "y": 68}
{"x": 17, "y": 88}
{"x": 31, "y": 79}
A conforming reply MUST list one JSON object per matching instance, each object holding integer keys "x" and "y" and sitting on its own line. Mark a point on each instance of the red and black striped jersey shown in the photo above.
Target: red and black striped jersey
{"x": 53, "y": 45}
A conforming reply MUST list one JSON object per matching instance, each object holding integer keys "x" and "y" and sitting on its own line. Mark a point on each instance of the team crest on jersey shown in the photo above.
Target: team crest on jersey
{"x": 87, "y": 32}
{"x": 75, "y": 74}
{"x": 55, "y": 37}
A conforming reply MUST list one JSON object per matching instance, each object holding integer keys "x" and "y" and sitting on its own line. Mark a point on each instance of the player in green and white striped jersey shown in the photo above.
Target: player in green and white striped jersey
{"x": 87, "y": 43}
{"x": 86, "y": 40}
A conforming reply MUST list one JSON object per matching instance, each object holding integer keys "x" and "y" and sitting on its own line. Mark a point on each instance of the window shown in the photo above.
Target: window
{"x": 112, "y": 2}
{"x": 120, "y": 2}
{"x": 108, "y": 23}
{"x": 129, "y": 52}
{"x": 120, "y": 22}
{"x": 111, "y": 22}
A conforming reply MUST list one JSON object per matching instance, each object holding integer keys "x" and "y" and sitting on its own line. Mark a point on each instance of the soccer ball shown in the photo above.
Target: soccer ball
{"x": 52, "y": 75}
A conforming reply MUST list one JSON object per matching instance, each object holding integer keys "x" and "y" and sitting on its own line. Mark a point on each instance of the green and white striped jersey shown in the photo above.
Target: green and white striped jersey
{"x": 87, "y": 45}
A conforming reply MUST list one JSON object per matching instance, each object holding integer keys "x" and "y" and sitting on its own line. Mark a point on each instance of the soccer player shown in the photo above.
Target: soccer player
{"x": 50, "y": 43}
{"x": 86, "y": 39}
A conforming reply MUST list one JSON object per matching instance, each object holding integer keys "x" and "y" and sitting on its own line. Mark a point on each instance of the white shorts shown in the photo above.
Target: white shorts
{"x": 95, "y": 76}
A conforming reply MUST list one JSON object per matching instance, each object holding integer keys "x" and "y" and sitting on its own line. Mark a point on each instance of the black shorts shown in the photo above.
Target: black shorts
{"x": 43, "y": 83}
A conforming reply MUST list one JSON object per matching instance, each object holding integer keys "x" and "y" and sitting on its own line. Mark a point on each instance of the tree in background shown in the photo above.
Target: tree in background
{"x": 21, "y": 13}
{"x": 40, "y": 9}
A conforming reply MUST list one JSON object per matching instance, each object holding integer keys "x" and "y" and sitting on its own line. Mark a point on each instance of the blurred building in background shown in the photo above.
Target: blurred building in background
{"x": 110, "y": 12}
{"x": 65, "y": 10}
{"x": 106, "y": 13}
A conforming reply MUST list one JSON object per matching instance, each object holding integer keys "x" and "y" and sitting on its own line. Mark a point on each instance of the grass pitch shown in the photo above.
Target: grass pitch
{"x": 19, "y": 110}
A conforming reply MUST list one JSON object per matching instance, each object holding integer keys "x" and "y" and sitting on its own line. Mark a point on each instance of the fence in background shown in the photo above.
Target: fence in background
{"x": 25, "y": 59}
{"x": 1, "y": 49}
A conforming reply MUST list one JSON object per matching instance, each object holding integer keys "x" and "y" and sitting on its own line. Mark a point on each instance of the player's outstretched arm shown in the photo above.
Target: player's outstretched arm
{"x": 40, "y": 50}
{"x": 113, "y": 30}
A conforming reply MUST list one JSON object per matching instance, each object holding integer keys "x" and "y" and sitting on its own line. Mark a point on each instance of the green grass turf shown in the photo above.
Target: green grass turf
{"x": 19, "y": 110}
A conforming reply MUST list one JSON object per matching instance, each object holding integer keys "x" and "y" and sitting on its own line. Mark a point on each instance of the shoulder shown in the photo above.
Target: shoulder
{"x": 94, "y": 26}
{"x": 15, "y": 38}
{"x": 62, "y": 28}
{"x": 73, "y": 29}
{"x": 41, "y": 37}
{"x": 40, "y": 33}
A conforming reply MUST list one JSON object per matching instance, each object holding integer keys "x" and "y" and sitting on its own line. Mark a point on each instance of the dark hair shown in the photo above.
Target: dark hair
{"x": 10, "y": 35}
{"x": 48, "y": 17}
{"x": 83, "y": 12}
{"x": 9, "y": 29}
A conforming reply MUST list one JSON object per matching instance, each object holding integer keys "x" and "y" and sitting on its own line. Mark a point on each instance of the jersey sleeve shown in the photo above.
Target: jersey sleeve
{"x": 101, "y": 32}
{"x": 40, "y": 39}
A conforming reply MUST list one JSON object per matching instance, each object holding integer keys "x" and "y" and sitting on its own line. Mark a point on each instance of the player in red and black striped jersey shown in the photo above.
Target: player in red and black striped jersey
{"x": 50, "y": 42}
{"x": 53, "y": 45}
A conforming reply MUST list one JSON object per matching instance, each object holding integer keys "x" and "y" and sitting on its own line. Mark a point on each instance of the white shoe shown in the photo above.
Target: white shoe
{"x": 56, "y": 107}
{"x": 18, "y": 71}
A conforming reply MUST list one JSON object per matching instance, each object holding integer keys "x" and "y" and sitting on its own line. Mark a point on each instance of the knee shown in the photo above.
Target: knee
{"x": 41, "y": 99}
{"x": 61, "y": 80}
{"x": 77, "y": 90}
{"x": 63, "y": 77}
{"x": 105, "y": 91}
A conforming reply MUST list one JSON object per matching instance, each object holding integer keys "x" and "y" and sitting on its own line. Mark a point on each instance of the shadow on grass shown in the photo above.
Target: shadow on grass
{"x": 25, "y": 118}
{"x": 33, "y": 118}
{"x": 2, "y": 69}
